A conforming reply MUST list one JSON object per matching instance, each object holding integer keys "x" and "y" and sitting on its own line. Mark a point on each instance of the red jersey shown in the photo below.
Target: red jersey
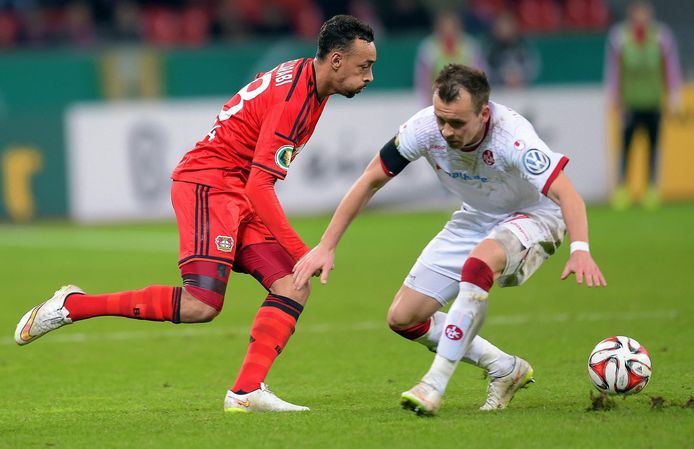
{"x": 265, "y": 125}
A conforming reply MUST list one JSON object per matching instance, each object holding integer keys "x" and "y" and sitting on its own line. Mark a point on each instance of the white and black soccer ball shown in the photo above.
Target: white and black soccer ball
{"x": 619, "y": 365}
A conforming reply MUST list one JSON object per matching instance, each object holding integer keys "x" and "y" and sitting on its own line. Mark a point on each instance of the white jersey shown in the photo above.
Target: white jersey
{"x": 509, "y": 171}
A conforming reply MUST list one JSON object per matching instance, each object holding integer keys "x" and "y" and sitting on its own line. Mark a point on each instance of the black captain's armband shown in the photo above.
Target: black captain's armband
{"x": 392, "y": 161}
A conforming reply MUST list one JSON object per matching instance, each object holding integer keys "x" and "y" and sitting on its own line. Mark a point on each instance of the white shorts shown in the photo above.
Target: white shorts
{"x": 528, "y": 239}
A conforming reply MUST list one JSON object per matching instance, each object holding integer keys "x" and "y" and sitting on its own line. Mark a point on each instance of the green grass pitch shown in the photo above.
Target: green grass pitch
{"x": 117, "y": 383}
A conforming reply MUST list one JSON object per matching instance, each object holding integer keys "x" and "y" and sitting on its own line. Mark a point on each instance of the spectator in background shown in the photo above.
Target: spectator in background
{"x": 447, "y": 45}
{"x": 642, "y": 73}
{"x": 512, "y": 61}
{"x": 127, "y": 26}
{"x": 78, "y": 24}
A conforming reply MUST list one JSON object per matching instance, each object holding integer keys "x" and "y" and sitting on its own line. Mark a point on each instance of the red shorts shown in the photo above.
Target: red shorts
{"x": 220, "y": 226}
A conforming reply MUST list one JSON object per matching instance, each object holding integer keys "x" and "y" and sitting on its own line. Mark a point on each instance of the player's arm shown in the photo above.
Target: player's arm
{"x": 268, "y": 166}
{"x": 580, "y": 262}
{"x": 382, "y": 168}
{"x": 260, "y": 190}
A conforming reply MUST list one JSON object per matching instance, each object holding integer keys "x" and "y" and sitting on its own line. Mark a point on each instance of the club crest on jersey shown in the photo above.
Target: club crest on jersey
{"x": 283, "y": 156}
{"x": 535, "y": 161}
{"x": 453, "y": 332}
{"x": 519, "y": 145}
{"x": 488, "y": 157}
{"x": 224, "y": 243}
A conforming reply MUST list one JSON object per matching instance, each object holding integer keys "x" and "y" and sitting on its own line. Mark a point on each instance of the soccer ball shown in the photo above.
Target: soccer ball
{"x": 619, "y": 365}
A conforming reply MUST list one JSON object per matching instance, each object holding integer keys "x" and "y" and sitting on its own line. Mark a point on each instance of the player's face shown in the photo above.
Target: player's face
{"x": 353, "y": 68}
{"x": 458, "y": 122}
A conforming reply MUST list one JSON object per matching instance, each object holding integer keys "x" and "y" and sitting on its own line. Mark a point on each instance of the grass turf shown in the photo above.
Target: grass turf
{"x": 116, "y": 383}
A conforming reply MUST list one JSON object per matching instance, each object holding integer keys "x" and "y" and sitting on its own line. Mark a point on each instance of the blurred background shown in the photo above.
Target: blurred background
{"x": 100, "y": 99}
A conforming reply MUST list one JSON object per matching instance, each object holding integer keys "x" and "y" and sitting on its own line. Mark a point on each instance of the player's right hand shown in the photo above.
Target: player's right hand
{"x": 319, "y": 260}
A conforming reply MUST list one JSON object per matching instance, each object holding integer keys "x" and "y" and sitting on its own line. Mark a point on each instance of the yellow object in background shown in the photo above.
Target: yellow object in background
{"x": 19, "y": 164}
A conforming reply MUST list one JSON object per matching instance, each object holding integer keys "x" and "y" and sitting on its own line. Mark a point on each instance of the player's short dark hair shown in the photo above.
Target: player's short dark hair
{"x": 339, "y": 32}
{"x": 454, "y": 77}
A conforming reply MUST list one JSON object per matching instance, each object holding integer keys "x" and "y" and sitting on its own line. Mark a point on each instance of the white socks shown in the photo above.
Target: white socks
{"x": 480, "y": 353}
{"x": 462, "y": 324}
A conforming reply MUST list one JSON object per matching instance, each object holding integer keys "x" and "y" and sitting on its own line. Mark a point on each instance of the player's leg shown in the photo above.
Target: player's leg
{"x": 651, "y": 199}
{"x": 511, "y": 253}
{"x": 463, "y": 322}
{"x": 410, "y": 316}
{"x": 415, "y": 315}
{"x": 528, "y": 242}
{"x": 272, "y": 327}
{"x": 205, "y": 269}
{"x": 621, "y": 198}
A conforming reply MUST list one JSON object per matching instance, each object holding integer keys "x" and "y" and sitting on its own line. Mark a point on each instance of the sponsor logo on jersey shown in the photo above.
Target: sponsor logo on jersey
{"x": 464, "y": 176}
{"x": 519, "y": 145}
{"x": 488, "y": 157}
{"x": 224, "y": 243}
{"x": 283, "y": 156}
{"x": 453, "y": 332}
{"x": 535, "y": 161}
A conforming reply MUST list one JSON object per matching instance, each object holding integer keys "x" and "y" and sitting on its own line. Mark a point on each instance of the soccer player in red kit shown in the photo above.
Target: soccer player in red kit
{"x": 229, "y": 217}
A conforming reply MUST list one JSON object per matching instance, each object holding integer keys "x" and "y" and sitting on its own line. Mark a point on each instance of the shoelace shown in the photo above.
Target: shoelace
{"x": 491, "y": 398}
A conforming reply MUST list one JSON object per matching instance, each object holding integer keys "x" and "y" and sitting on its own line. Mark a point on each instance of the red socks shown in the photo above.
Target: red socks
{"x": 154, "y": 303}
{"x": 272, "y": 327}
{"x": 477, "y": 272}
{"x": 416, "y": 331}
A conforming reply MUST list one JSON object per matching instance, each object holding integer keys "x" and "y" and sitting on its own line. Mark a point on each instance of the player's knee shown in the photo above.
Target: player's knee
{"x": 204, "y": 285}
{"x": 399, "y": 319}
{"x": 195, "y": 311}
{"x": 285, "y": 287}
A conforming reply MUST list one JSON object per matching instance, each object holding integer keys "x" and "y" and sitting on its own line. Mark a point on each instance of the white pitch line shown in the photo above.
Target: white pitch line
{"x": 207, "y": 331}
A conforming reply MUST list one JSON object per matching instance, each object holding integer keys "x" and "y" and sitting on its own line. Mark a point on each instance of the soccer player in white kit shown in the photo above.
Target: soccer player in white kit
{"x": 517, "y": 204}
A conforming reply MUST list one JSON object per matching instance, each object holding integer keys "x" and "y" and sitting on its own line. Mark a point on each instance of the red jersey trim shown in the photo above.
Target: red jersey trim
{"x": 560, "y": 166}
{"x": 271, "y": 171}
{"x": 285, "y": 137}
{"x": 385, "y": 169}
{"x": 296, "y": 80}
{"x": 315, "y": 83}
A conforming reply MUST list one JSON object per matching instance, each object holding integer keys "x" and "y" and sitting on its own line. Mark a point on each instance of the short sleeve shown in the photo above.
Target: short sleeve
{"x": 534, "y": 160}
{"x": 408, "y": 140}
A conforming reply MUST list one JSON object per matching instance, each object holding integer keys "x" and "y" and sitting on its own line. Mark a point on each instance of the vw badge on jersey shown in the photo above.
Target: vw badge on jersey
{"x": 535, "y": 161}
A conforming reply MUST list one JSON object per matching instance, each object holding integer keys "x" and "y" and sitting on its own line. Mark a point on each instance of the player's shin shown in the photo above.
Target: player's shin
{"x": 463, "y": 321}
{"x": 153, "y": 303}
{"x": 462, "y": 324}
{"x": 272, "y": 327}
{"x": 480, "y": 352}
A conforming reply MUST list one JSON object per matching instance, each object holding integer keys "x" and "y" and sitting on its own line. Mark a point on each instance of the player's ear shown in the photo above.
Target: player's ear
{"x": 486, "y": 113}
{"x": 336, "y": 60}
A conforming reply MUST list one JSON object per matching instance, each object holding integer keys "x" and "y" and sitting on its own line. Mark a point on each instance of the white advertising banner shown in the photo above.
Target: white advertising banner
{"x": 120, "y": 155}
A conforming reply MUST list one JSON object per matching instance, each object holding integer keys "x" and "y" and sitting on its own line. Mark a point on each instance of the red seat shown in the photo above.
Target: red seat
{"x": 585, "y": 14}
{"x": 9, "y": 29}
{"x": 195, "y": 26}
{"x": 539, "y": 16}
{"x": 162, "y": 26}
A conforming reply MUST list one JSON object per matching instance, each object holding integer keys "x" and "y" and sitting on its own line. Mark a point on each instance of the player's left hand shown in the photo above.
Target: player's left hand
{"x": 317, "y": 262}
{"x": 582, "y": 264}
